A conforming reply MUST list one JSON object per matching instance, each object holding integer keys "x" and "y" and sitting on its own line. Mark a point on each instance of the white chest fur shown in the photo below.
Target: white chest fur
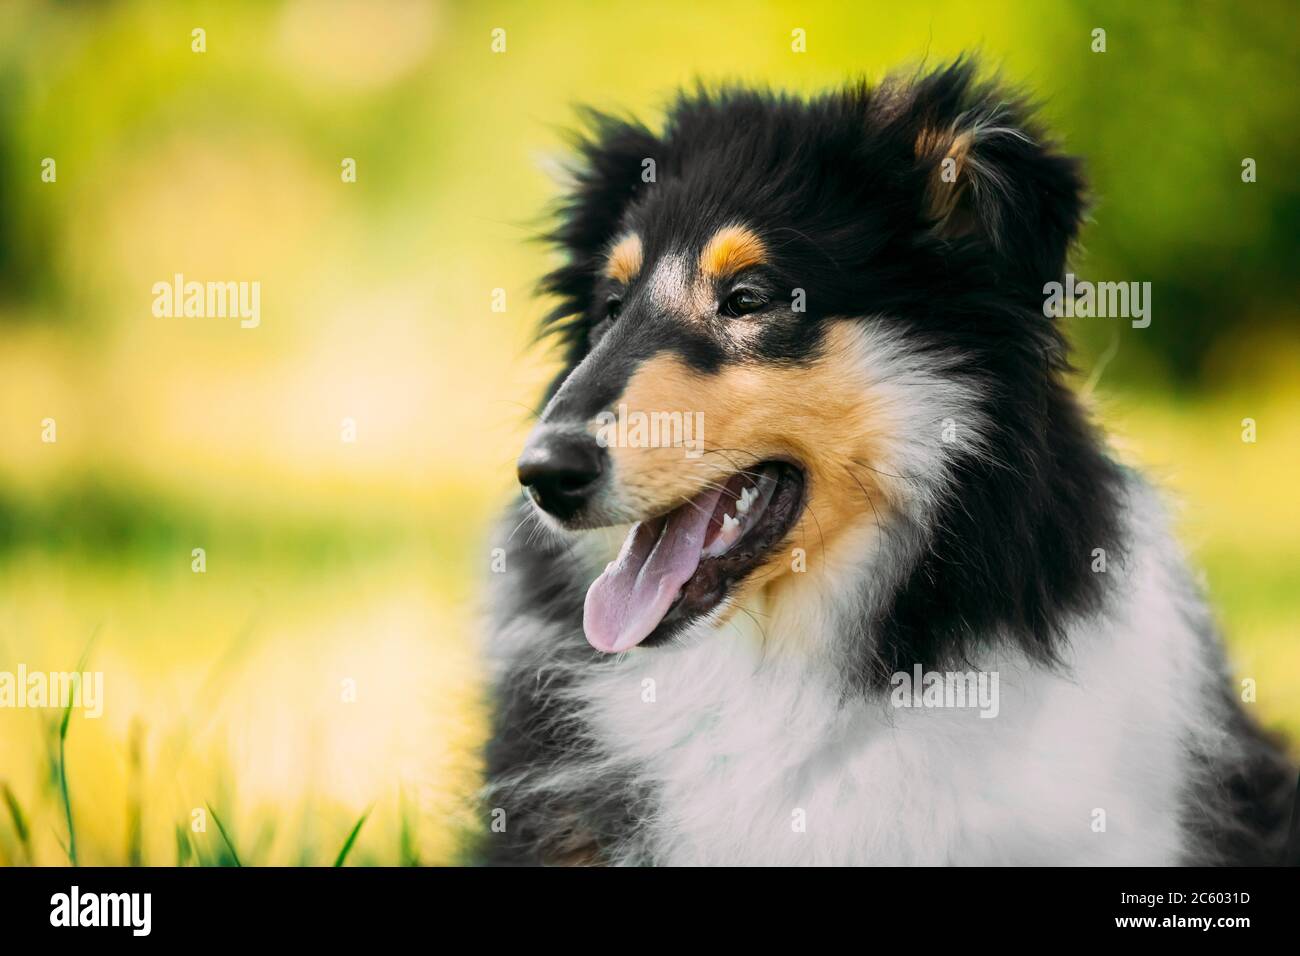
{"x": 754, "y": 758}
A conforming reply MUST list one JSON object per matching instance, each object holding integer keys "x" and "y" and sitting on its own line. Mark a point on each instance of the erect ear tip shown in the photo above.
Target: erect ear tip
{"x": 986, "y": 171}
{"x": 944, "y": 154}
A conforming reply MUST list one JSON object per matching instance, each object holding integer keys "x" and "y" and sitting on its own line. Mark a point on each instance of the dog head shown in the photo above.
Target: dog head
{"x": 792, "y": 330}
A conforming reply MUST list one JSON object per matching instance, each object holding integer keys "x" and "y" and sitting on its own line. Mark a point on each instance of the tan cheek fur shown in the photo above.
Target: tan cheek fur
{"x": 825, "y": 416}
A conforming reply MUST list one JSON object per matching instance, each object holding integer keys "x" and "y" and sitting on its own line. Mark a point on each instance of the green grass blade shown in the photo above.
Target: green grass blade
{"x": 71, "y": 847}
{"x": 352, "y": 838}
{"x": 76, "y": 682}
{"x": 183, "y": 851}
{"x": 225, "y": 836}
{"x": 407, "y": 851}
{"x": 63, "y": 781}
{"x": 134, "y": 799}
{"x": 19, "y": 821}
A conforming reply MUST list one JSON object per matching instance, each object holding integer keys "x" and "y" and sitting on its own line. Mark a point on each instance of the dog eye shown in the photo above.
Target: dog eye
{"x": 613, "y": 307}
{"x": 742, "y": 302}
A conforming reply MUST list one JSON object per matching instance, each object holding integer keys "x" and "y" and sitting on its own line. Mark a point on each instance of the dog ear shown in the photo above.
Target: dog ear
{"x": 988, "y": 175}
{"x": 615, "y": 160}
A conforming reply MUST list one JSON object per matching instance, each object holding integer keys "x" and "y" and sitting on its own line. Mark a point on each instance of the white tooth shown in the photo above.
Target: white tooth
{"x": 727, "y": 535}
{"x": 746, "y": 499}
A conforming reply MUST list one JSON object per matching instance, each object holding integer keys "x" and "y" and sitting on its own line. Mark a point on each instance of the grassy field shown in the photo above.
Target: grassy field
{"x": 227, "y": 690}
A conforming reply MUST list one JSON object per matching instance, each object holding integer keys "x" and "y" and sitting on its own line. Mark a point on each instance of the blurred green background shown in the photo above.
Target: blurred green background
{"x": 334, "y": 565}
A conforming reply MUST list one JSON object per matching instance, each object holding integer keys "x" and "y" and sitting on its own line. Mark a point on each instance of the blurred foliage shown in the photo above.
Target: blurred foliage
{"x": 1164, "y": 118}
{"x": 331, "y": 561}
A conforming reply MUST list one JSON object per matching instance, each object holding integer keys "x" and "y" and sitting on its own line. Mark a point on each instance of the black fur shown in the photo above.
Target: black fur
{"x": 841, "y": 185}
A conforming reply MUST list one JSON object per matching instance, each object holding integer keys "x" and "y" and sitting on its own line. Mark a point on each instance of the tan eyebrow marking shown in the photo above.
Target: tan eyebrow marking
{"x": 624, "y": 260}
{"x": 731, "y": 249}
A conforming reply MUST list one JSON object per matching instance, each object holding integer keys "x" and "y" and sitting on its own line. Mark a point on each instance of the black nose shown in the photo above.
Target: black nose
{"x": 561, "y": 470}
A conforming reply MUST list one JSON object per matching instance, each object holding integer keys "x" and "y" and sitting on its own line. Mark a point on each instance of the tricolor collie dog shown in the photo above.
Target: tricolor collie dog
{"x": 819, "y": 559}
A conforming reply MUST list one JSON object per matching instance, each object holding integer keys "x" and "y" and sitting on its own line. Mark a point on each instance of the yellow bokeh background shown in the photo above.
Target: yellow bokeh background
{"x": 323, "y": 666}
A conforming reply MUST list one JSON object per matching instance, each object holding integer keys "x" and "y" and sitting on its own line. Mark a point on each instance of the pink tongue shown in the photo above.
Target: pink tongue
{"x": 635, "y": 591}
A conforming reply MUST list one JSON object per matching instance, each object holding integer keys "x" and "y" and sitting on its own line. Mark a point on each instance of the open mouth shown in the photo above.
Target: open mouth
{"x": 679, "y": 566}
